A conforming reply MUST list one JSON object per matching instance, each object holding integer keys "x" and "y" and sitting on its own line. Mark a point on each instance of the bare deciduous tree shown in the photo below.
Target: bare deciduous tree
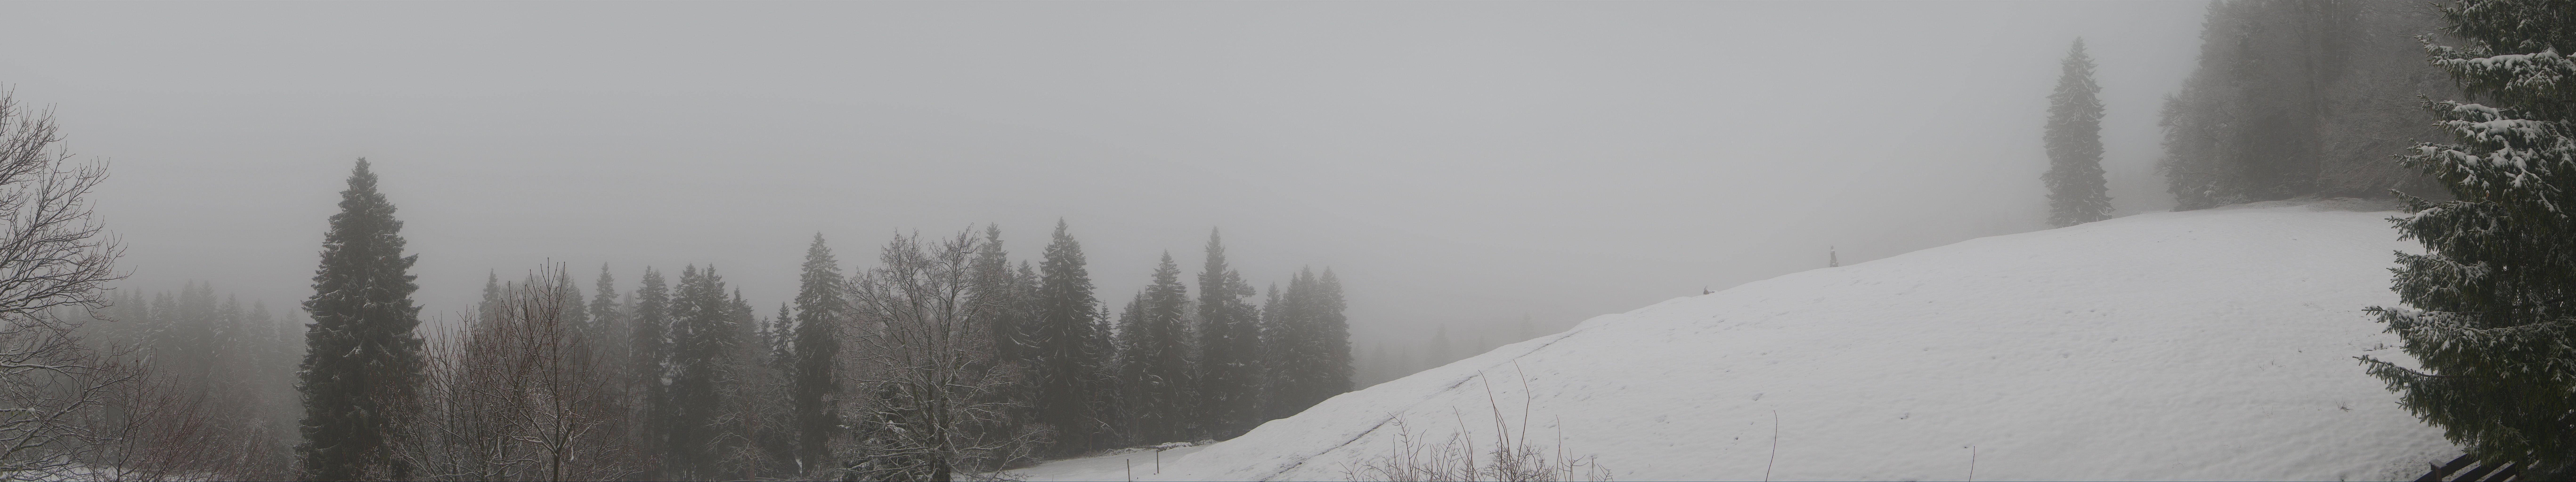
{"x": 933, "y": 404}
{"x": 53, "y": 254}
{"x": 518, "y": 395}
{"x": 165, "y": 426}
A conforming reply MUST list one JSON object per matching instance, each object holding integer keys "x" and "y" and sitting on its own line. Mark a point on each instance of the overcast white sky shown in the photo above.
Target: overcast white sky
{"x": 1456, "y": 162}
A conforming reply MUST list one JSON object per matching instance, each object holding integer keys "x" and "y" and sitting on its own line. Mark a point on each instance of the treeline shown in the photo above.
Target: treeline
{"x": 947, "y": 358}
{"x": 1384, "y": 362}
{"x": 2295, "y": 98}
{"x": 236, "y": 360}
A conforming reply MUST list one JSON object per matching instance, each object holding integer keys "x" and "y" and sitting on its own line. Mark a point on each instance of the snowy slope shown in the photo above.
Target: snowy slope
{"x": 2204, "y": 345}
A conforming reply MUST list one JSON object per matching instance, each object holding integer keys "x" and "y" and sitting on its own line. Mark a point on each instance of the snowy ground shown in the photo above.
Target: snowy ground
{"x": 2204, "y": 345}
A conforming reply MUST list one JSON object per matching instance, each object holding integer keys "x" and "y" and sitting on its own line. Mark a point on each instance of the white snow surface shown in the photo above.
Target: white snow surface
{"x": 2201, "y": 345}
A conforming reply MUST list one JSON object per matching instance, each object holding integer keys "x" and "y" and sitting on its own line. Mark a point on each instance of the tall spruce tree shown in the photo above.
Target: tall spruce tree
{"x": 820, "y": 311}
{"x": 705, "y": 332}
{"x": 998, "y": 309}
{"x": 362, "y": 358}
{"x": 1068, "y": 346}
{"x": 2489, "y": 314}
{"x": 610, "y": 332}
{"x": 576, "y": 316}
{"x": 651, "y": 369}
{"x": 1166, "y": 369}
{"x": 996, "y": 302}
{"x": 1274, "y": 353}
{"x": 490, "y": 308}
{"x": 2076, "y": 192}
{"x": 1332, "y": 338}
{"x": 1135, "y": 403}
{"x": 1316, "y": 338}
{"x": 1230, "y": 339}
{"x": 193, "y": 325}
{"x": 234, "y": 350}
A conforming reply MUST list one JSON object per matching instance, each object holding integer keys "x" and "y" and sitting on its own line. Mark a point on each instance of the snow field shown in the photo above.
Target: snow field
{"x": 2201, "y": 345}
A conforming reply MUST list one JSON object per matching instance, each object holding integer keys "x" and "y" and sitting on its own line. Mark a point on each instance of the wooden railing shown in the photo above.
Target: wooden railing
{"x": 2474, "y": 471}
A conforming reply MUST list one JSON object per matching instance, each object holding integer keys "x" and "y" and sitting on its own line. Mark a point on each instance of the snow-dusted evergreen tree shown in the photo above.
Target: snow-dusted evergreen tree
{"x": 576, "y": 316}
{"x": 651, "y": 367}
{"x": 705, "y": 333}
{"x": 1156, "y": 359}
{"x": 1274, "y": 353}
{"x": 1315, "y": 340}
{"x": 750, "y": 428}
{"x": 1229, "y": 342}
{"x": 779, "y": 334}
{"x": 997, "y": 295}
{"x": 2488, "y": 314}
{"x": 234, "y": 349}
{"x": 187, "y": 348}
{"x": 611, "y": 332}
{"x": 1333, "y": 338}
{"x": 820, "y": 311}
{"x": 1131, "y": 409}
{"x": 490, "y": 308}
{"x": 362, "y": 358}
{"x": 2076, "y": 192}
{"x": 1069, "y": 345}
{"x": 1001, "y": 303}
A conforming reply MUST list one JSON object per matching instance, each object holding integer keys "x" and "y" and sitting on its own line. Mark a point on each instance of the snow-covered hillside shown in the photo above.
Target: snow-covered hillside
{"x": 2204, "y": 345}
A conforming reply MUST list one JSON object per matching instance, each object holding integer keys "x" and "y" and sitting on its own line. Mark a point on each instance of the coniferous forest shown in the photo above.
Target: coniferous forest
{"x": 943, "y": 357}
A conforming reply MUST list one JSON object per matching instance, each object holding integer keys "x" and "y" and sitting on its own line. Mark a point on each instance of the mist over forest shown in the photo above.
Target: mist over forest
{"x": 1006, "y": 240}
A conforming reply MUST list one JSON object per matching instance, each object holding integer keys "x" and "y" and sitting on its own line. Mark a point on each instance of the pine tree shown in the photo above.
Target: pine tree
{"x": 1230, "y": 338}
{"x": 490, "y": 308}
{"x": 1332, "y": 338}
{"x": 576, "y": 316}
{"x": 2488, "y": 315}
{"x": 780, "y": 334}
{"x": 1069, "y": 346}
{"x": 820, "y": 311}
{"x": 996, "y": 301}
{"x": 705, "y": 332}
{"x": 652, "y": 355}
{"x": 194, "y": 327}
{"x": 1133, "y": 406}
{"x": 1167, "y": 370}
{"x": 234, "y": 350}
{"x": 1274, "y": 353}
{"x": 611, "y": 334}
{"x": 748, "y": 427}
{"x": 2076, "y": 192}
{"x": 362, "y": 357}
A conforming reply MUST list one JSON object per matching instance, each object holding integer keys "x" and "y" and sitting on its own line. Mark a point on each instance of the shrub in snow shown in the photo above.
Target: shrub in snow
{"x": 1512, "y": 456}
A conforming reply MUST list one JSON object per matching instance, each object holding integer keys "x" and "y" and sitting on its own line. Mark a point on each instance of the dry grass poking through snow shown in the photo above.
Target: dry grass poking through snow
{"x": 1413, "y": 456}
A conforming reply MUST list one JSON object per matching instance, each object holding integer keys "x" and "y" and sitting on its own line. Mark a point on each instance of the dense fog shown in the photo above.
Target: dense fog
{"x": 1036, "y": 240}
{"x": 1459, "y": 164}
